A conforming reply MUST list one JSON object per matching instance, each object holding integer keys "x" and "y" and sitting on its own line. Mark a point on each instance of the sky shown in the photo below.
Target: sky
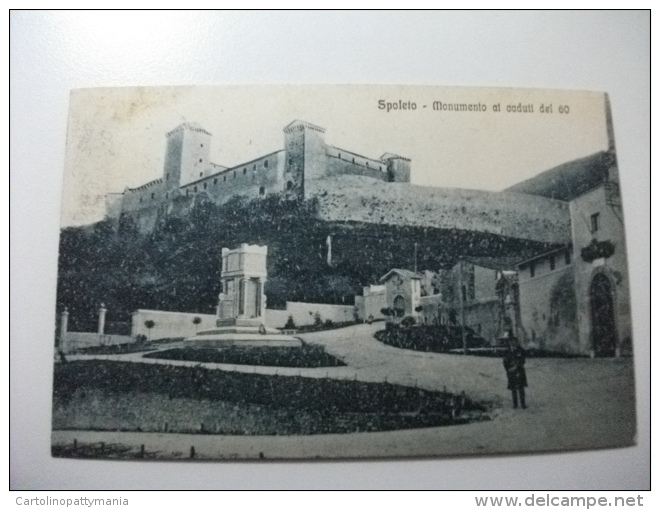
{"x": 116, "y": 136}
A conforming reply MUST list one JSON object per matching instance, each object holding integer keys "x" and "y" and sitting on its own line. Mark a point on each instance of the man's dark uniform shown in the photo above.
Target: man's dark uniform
{"x": 514, "y": 364}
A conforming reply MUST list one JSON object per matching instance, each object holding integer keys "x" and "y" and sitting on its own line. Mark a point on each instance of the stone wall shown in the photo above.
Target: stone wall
{"x": 170, "y": 324}
{"x": 353, "y": 198}
{"x": 548, "y": 306}
{"x": 255, "y": 178}
{"x": 341, "y": 162}
{"x": 303, "y": 314}
{"x": 75, "y": 340}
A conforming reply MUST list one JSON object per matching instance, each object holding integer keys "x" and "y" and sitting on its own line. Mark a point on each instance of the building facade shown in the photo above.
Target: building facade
{"x": 576, "y": 299}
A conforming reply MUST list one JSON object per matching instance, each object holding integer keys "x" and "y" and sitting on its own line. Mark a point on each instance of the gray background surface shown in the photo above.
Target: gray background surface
{"x": 51, "y": 53}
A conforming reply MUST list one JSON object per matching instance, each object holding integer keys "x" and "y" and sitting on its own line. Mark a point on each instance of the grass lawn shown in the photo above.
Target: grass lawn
{"x": 110, "y": 395}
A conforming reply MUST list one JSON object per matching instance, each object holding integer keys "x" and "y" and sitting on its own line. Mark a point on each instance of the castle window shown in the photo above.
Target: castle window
{"x": 567, "y": 257}
{"x": 262, "y": 190}
{"x": 215, "y": 181}
{"x": 290, "y": 161}
{"x": 266, "y": 164}
{"x": 367, "y": 163}
{"x": 201, "y": 173}
{"x": 224, "y": 178}
{"x": 201, "y": 145}
{"x": 552, "y": 262}
{"x": 204, "y": 185}
{"x": 200, "y": 160}
{"x": 339, "y": 155}
{"x": 532, "y": 270}
{"x": 187, "y": 191}
{"x": 167, "y": 195}
{"x": 234, "y": 174}
{"x": 244, "y": 171}
{"x": 140, "y": 199}
{"x": 353, "y": 160}
{"x": 153, "y": 195}
{"x": 195, "y": 189}
{"x": 595, "y": 222}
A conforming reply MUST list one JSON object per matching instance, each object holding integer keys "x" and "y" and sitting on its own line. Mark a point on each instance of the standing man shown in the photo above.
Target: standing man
{"x": 514, "y": 364}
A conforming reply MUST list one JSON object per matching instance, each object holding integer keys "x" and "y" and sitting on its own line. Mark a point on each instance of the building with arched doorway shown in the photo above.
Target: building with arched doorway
{"x": 403, "y": 291}
{"x": 576, "y": 298}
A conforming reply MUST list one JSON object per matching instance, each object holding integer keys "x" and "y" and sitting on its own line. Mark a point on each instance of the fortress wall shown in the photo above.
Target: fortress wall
{"x": 146, "y": 196}
{"x": 341, "y": 162}
{"x": 242, "y": 180}
{"x": 510, "y": 214}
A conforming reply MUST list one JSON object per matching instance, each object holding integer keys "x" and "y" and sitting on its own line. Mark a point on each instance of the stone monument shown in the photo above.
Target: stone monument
{"x": 242, "y": 302}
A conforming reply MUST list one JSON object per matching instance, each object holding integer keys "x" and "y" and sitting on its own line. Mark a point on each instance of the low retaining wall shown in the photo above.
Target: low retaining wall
{"x": 304, "y": 314}
{"x": 170, "y": 324}
{"x": 75, "y": 340}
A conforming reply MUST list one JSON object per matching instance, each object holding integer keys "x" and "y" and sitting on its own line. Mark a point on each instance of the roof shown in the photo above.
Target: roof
{"x": 403, "y": 272}
{"x": 388, "y": 155}
{"x": 540, "y": 255}
{"x": 497, "y": 263}
{"x": 569, "y": 180}
{"x": 299, "y": 124}
{"x": 192, "y": 126}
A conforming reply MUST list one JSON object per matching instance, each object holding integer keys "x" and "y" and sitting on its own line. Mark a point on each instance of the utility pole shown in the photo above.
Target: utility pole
{"x": 461, "y": 298}
{"x": 415, "y": 258}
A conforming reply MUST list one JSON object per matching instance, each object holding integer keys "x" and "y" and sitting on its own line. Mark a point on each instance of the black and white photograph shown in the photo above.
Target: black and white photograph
{"x": 340, "y": 272}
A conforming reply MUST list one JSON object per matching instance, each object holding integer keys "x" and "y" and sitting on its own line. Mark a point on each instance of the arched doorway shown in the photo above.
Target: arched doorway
{"x": 399, "y": 307}
{"x": 603, "y": 327}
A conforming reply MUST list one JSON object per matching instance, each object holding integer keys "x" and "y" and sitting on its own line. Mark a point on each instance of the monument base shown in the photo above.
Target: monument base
{"x": 237, "y": 333}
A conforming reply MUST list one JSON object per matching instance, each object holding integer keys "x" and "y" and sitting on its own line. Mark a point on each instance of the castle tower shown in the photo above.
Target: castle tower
{"x": 304, "y": 144}
{"x": 398, "y": 167}
{"x": 243, "y": 275}
{"x": 186, "y": 155}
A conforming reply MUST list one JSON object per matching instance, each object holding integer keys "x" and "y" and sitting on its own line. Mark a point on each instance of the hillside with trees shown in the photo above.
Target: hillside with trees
{"x": 176, "y": 266}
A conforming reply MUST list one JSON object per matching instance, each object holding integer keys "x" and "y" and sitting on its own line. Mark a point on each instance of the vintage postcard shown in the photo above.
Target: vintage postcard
{"x": 305, "y": 272}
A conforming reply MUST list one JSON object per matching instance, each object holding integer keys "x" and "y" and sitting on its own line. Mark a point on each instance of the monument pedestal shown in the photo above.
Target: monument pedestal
{"x": 243, "y": 332}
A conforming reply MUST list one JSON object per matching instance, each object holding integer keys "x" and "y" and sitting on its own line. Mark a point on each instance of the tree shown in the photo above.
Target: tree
{"x": 197, "y": 321}
{"x": 149, "y": 324}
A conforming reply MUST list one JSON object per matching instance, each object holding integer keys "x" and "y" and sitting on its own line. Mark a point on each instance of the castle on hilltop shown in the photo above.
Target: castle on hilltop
{"x": 188, "y": 171}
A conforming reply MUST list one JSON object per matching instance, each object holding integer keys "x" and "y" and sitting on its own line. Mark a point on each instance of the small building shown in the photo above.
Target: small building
{"x": 403, "y": 290}
{"x": 371, "y": 302}
{"x": 477, "y": 292}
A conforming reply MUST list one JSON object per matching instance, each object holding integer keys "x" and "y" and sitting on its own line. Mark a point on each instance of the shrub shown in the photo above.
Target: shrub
{"x": 408, "y": 321}
{"x": 290, "y": 324}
